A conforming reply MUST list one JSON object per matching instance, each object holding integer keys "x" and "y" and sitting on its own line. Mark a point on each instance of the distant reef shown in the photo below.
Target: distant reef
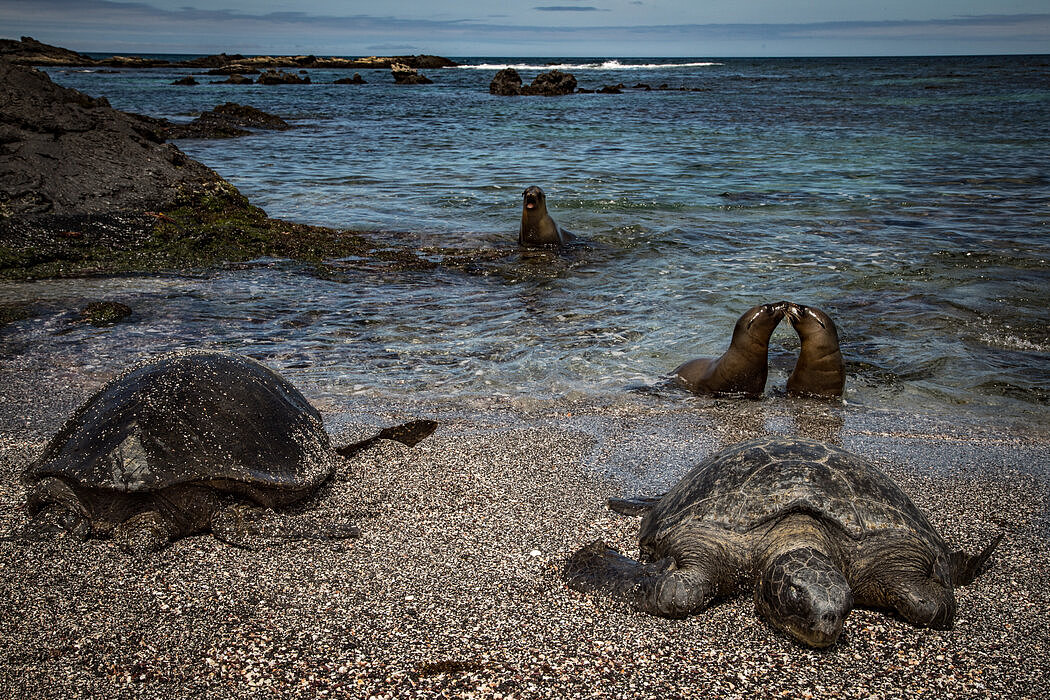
{"x": 30, "y": 52}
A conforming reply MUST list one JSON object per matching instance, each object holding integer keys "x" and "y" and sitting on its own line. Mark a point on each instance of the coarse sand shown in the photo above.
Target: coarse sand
{"x": 454, "y": 588}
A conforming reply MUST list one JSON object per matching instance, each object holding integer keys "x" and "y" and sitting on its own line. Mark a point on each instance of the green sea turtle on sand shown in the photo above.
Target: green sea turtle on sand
{"x": 182, "y": 445}
{"x": 812, "y": 528}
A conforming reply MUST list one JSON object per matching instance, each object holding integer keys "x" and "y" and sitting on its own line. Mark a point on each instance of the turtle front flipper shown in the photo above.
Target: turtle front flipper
{"x": 410, "y": 434}
{"x": 802, "y": 593}
{"x": 256, "y": 528}
{"x": 658, "y": 588}
{"x": 909, "y": 577}
{"x": 145, "y": 533}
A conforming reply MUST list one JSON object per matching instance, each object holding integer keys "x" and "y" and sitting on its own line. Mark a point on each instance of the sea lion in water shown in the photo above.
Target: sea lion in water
{"x": 537, "y": 226}
{"x": 743, "y": 367}
{"x": 819, "y": 370}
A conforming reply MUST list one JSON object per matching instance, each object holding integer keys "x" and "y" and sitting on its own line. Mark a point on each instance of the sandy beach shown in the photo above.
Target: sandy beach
{"x": 454, "y": 588}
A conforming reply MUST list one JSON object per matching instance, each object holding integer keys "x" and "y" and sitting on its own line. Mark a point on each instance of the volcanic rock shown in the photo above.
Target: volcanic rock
{"x": 277, "y": 77}
{"x": 63, "y": 152}
{"x": 405, "y": 75}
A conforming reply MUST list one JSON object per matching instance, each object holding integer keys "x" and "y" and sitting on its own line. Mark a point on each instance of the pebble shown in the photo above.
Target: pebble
{"x": 436, "y": 600}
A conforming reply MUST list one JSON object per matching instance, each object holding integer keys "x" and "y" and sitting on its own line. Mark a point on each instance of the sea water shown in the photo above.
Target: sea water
{"x": 907, "y": 197}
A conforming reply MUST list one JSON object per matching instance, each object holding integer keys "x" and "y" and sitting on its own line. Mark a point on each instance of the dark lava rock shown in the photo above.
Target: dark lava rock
{"x": 405, "y": 75}
{"x": 188, "y": 80}
{"x": 30, "y": 52}
{"x": 551, "y": 84}
{"x": 643, "y": 86}
{"x": 224, "y": 121}
{"x": 236, "y": 79}
{"x": 611, "y": 89}
{"x": 507, "y": 83}
{"x": 214, "y": 61}
{"x": 104, "y": 313}
{"x": 63, "y": 152}
{"x": 277, "y": 77}
{"x": 246, "y": 115}
{"x": 356, "y": 80}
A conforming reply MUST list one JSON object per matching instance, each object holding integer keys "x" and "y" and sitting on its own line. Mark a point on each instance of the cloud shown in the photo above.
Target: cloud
{"x": 136, "y": 27}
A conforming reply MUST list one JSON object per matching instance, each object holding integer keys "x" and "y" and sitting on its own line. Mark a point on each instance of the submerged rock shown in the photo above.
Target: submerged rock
{"x": 104, "y": 313}
{"x": 188, "y": 80}
{"x": 356, "y": 80}
{"x": 236, "y": 79}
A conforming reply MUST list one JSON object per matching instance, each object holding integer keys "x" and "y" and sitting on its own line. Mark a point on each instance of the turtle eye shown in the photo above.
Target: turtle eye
{"x": 68, "y": 520}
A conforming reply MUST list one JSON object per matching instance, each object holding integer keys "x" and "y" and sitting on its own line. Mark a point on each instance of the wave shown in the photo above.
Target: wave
{"x": 603, "y": 65}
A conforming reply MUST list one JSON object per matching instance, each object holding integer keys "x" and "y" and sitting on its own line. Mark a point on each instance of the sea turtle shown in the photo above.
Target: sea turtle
{"x": 177, "y": 446}
{"x": 813, "y": 528}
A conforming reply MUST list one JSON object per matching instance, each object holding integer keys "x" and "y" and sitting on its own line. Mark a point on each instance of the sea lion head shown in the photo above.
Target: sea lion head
{"x": 534, "y": 199}
{"x": 809, "y": 321}
{"x": 759, "y": 321}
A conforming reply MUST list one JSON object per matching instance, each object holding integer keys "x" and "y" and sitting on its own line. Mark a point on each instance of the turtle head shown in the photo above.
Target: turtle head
{"x": 802, "y": 594}
{"x": 55, "y": 510}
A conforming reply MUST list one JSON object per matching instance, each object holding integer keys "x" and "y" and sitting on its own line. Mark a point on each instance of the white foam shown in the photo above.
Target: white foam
{"x": 612, "y": 64}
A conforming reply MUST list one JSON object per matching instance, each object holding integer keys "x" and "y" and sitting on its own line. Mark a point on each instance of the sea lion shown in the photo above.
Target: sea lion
{"x": 819, "y": 370}
{"x": 537, "y": 226}
{"x": 743, "y": 367}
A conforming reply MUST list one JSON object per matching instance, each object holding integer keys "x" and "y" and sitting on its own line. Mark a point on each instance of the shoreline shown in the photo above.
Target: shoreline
{"x": 455, "y": 583}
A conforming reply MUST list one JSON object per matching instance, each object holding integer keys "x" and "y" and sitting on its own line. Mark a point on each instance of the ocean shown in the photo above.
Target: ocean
{"x": 909, "y": 198}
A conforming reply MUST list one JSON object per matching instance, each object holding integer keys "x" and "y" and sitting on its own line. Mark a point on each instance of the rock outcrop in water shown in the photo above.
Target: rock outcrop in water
{"x": 279, "y": 77}
{"x": 553, "y": 83}
{"x": 405, "y": 75}
{"x": 355, "y": 80}
{"x": 224, "y": 121}
{"x": 66, "y": 153}
{"x": 506, "y": 83}
{"x": 85, "y": 188}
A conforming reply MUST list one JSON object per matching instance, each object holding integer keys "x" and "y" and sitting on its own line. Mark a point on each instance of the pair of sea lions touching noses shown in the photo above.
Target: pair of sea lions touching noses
{"x": 742, "y": 369}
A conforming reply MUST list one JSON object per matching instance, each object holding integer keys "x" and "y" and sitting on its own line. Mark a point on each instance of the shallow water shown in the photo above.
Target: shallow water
{"x": 906, "y": 197}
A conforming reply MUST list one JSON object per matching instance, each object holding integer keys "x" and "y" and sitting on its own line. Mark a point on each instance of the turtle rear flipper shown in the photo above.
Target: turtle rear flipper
{"x": 638, "y": 505}
{"x": 965, "y": 568}
{"x": 657, "y": 588}
{"x": 256, "y": 528}
{"x": 410, "y": 434}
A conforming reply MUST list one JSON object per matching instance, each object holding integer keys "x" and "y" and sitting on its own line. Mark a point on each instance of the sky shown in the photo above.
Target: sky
{"x": 526, "y": 28}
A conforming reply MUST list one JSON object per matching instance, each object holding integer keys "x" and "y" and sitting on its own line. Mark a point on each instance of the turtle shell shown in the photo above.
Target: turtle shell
{"x": 207, "y": 418}
{"x": 747, "y": 485}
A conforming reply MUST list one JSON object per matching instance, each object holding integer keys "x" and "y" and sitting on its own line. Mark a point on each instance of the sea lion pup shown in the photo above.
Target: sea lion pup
{"x": 743, "y": 367}
{"x": 819, "y": 370}
{"x": 537, "y": 226}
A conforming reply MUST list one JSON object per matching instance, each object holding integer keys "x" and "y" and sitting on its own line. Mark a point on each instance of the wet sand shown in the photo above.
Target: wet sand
{"x": 454, "y": 587}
